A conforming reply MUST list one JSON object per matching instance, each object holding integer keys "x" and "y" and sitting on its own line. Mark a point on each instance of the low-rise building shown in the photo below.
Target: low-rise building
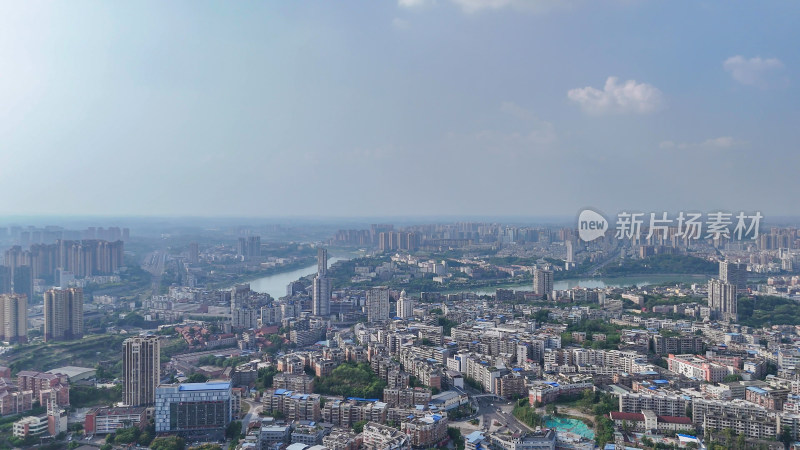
{"x": 382, "y": 437}
{"x": 427, "y": 431}
{"x": 30, "y": 426}
{"x": 649, "y": 421}
{"x": 109, "y": 420}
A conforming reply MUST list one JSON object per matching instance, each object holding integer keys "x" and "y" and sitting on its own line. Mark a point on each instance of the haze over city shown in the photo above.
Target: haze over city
{"x": 409, "y": 108}
{"x": 399, "y": 225}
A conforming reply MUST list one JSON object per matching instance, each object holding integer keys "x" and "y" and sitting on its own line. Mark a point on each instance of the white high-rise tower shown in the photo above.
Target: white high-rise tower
{"x": 405, "y": 306}
{"x": 321, "y": 305}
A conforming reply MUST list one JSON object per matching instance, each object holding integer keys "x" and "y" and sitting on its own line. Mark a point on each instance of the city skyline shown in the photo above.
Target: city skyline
{"x": 473, "y": 107}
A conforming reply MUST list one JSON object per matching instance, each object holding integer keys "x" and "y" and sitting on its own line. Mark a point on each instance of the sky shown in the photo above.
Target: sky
{"x": 398, "y": 108}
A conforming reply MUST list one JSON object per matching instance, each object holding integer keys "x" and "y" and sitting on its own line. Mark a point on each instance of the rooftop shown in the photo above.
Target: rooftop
{"x": 215, "y": 386}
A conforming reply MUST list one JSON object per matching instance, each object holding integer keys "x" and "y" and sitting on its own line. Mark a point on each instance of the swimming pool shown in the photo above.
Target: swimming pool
{"x": 570, "y": 425}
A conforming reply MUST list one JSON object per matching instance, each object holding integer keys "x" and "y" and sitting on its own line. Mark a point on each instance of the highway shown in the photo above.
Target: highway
{"x": 155, "y": 263}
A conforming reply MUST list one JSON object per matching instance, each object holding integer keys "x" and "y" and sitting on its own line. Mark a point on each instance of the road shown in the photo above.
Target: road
{"x": 613, "y": 256}
{"x": 155, "y": 263}
{"x": 252, "y": 414}
{"x": 490, "y": 410}
{"x": 499, "y": 411}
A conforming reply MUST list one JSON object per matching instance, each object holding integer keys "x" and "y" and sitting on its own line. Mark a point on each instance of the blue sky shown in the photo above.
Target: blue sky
{"x": 383, "y": 108}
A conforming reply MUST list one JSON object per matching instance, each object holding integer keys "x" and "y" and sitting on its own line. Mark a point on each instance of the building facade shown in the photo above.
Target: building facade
{"x": 63, "y": 314}
{"x": 378, "y": 305}
{"x": 194, "y": 409}
{"x": 141, "y": 370}
{"x": 14, "y": 318}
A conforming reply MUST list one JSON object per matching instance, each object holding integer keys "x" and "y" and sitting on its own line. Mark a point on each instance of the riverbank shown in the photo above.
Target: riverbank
{"x": 259, "y": 274}
{"x": 588, "y": 282}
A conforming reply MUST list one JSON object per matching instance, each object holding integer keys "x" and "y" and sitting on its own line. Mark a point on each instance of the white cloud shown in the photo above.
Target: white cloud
{"x": 754, "y": 71}
{"x": 626, "y": 97}
{"x": 473, "y": 6}
{"x": 413, "y": 3}
{"x": 399, "y": 24}
{"x": 718, "y": 143}
{"x": 521, "y": 135}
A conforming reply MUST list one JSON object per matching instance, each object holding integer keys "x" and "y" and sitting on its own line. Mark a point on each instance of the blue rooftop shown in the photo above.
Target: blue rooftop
{"x": 204, "y": 386}
{"x": 473, "y": 437}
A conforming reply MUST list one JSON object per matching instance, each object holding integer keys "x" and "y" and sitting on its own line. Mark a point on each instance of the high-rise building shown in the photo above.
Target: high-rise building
{"x": 194, "y": 409}
{"x": 194, "y": 253}
{"x": 321, "y": 295}
{"x": 254, "y": 246}
{"x": 405, "y": 306}
{"x": 141, "y": 370}
{"x": 13, "y": 318}
{"x": 378, "y": 304}
{"x": 249, "y": 247}
{"x": 23, "y": 281}
{"x": 63, "y": 314}
{"x": 5, "y": 280}
{"x": 722, "y": 300}
{"x": 543, "y": 283}
{"x": 241, "y": 248}
{"x": 734, "y": 273}
{"x": 322, "y": 262}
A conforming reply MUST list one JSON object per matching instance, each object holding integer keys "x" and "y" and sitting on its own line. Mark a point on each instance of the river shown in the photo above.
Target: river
{"x": 275, "y": 285}
{"x": 592, "y": 283}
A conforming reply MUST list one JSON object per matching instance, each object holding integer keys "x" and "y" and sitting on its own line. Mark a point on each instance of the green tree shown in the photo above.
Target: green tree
{"x": 455, "y": 435}
{"x": 197, "y": 378}
{"x": 168, "y": 443}
{"x": 351, "y": 380}
{"x": 786, "y": 436}
{"x": 358, "y": 427}
{"x": 234, "y": 429}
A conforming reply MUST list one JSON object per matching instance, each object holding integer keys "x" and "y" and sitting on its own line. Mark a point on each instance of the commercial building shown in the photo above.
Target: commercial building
{"x": 141, "y": 370}
{"x": 194, "y": 409}
{"x": 63, "y": 314}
